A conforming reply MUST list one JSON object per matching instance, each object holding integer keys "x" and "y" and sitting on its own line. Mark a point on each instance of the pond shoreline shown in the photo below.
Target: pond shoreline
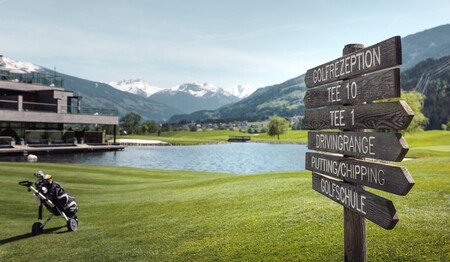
{"x": 143, "y": 142}
{"x": 235, "y": 158}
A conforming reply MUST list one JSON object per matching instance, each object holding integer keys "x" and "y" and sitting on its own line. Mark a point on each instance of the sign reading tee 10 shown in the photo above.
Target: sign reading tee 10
{"x": 341, "y": 95}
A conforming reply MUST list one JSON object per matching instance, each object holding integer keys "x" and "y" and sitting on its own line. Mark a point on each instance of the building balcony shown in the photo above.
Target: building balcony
{"x": 14, "y": 109}
{"x": 45, "y": 79}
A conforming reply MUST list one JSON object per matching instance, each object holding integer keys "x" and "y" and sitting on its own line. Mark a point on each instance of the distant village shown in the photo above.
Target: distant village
{"x": 296, "y": 123}
{"x": 242, "y": 126}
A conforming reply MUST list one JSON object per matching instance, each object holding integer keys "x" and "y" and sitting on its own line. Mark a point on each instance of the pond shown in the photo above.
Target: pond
{"x": 236, "y": 158}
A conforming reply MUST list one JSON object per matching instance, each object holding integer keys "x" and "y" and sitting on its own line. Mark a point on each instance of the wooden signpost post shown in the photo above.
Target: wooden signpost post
{"x": 341, "y": 96}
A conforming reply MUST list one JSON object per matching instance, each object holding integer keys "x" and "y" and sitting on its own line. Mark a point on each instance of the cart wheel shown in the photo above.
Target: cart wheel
{"x": 72, "y": 224}
{"x": 36, "y": 229}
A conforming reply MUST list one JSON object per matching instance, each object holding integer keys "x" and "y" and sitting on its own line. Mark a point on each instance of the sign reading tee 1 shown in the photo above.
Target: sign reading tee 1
{"x": 343, "y": 99}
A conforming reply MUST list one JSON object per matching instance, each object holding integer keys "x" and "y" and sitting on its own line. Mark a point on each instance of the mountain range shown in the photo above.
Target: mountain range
{"x": 188, "y": 97}
{"x": 151, "y": 102}
{"x": 285, "y": 99}
{"x": 96, "y": 95}
{"x": 191, "y": 97}
{"x": 137, "y": 86}
{"x": 431, "y": 77}
{"x": 143, "y": 88}
{"x": 430, "y": 43}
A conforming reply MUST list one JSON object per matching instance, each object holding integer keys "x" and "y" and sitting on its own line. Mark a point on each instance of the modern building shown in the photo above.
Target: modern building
{"x": 36, "y": 110}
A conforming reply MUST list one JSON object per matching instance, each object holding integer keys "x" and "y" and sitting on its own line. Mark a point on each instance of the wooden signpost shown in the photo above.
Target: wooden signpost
{"x": 341, "y": 96}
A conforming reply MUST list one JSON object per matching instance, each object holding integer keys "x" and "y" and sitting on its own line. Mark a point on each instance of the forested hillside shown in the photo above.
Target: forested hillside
{"x": 100, "y": 95}
{"x": 285, "y": 99}
{"x": 431, "y": 78}
{"x": 431, "y": 43}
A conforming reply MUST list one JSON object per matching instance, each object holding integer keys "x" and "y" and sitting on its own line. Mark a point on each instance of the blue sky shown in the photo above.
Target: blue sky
{"x": 226, "y": 43}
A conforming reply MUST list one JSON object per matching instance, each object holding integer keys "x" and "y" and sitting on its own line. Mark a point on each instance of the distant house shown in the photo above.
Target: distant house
{"x": 35, "y": 108}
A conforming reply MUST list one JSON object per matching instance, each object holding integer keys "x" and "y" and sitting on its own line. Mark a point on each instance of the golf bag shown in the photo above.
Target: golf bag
{"x": 53, "y": 196}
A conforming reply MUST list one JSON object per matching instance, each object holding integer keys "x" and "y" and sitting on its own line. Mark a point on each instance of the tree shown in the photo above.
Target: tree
{"x": 130, "y": 122}
{"x": 153, "y": 127}
{"x": 277, "y": 126}
{"x": 144, "y": 129}
{"x": 166, "y": 128}
{"x": 416, "y": 101}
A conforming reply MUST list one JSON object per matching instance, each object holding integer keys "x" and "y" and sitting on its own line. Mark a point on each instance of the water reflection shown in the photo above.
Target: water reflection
{"x": 237, "y": 158}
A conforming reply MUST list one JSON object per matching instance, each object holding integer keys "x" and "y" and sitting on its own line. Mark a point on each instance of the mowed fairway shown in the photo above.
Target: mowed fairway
{"x": 155, "y": 215}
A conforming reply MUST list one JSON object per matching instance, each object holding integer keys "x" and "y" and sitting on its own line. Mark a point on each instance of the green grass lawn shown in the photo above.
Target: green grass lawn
{"x": 202, "y": 137}
{"x": 189, "y": 138}
{"x": 156, "y": 215}
{"x": 429, "y": 143}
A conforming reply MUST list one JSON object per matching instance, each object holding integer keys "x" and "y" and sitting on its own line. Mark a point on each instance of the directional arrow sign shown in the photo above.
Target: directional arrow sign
{"x": 357, "y": 90}
{"x": 383, "y": 146}
{"x": 388, "y": 178}
{"x": 385, "y": 54}
{"x": 377, "y": 209}
{"x": 389, "y": 115}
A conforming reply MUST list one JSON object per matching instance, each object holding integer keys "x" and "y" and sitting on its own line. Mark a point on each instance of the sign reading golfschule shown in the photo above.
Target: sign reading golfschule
{"x": 373, "y": 207}
{"x": 341, "y": 96}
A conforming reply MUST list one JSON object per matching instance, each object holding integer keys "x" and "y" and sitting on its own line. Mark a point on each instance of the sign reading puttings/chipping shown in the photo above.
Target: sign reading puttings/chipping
{"x": 379, "y": 56}
{"x": 377, "y": 209}
{"x": 385, "y": 177}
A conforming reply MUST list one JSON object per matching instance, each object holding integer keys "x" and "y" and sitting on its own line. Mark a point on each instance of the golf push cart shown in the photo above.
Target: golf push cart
{"x": 55, "y": 199}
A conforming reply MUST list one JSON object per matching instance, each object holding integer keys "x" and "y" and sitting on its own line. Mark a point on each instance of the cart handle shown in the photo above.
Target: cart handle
{"x": 26, "y": 183}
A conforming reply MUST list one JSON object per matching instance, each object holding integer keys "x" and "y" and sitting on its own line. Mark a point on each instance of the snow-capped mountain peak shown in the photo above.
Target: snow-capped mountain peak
{"x": 241, "y": 91}
{"x": 199, "y": 90}
{"x": 191, "y": 97}
{"x": 18, "y": 67}
{"x": 136, "y": 86}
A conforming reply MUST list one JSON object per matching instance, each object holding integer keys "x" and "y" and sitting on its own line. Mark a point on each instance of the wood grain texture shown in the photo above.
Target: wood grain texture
{"x": 385, "y": 177}
{"x": 389, "y": 115}
{"x": 377, "y": 209}
{"x": 355, "y": 241}
{"x": 382, "y": 55}
{"x": 357, "y": 90}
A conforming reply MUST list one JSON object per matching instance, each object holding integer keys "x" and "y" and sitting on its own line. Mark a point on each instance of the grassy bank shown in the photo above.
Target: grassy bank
{"x": 156, "y": 215}
{"x": 428, "y": 144}
{"x": 214, "y": 136}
